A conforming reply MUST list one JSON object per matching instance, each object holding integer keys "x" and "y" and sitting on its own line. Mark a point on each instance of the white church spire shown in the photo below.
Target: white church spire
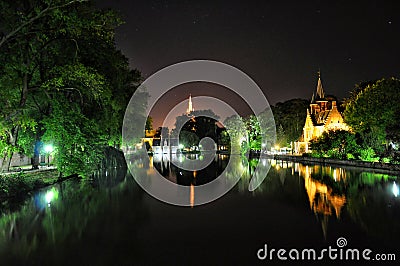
{"x": 190, "y": 107}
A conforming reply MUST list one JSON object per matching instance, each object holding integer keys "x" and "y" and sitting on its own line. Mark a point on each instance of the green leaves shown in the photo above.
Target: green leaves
{"x": 374, "y": 112}
{"x": 79, "y": 82}
{"x": 62, "y": 80}
{"x": 336, "y": 144}
{"x": 290, "y": 117}
{"x": 77, "y": 140}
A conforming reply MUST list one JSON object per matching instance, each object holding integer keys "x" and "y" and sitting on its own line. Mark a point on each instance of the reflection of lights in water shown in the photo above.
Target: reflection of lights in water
{"x": 223, "y": 156}
{"x": 151, "y": 161}
{"x": 156, "y": 158}
{"x": 395, "y": 189}
{"x": 264, "y": 162}
{"x": 191, "y": 195}
{"x": 334, "y": 174}
{"x": 50, "y": 196}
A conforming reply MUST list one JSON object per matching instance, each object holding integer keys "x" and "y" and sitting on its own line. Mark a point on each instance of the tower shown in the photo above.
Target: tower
{"x": 190, "y": 106}
{"x": 322, "y": 116}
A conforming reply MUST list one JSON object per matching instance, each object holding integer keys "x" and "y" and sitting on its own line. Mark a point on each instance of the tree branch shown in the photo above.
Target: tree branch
{"x": 33, "y": 19}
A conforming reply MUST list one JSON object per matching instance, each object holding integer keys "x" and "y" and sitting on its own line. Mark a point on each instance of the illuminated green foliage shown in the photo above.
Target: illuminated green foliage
{"x": 62, "y": 81}
{"x": 373, "y": 111}
{"x": 336, "y": 144}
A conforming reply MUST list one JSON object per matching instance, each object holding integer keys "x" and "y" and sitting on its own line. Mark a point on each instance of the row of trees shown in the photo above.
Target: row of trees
{"x": 372, "y": 111}
{"x": 62, "y": 81}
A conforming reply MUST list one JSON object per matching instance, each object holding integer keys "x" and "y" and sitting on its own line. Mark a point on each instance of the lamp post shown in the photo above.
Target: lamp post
{"x": 48, "y": 149}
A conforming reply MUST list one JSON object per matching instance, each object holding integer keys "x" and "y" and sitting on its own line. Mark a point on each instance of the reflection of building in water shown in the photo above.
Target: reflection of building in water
{"x": 321, "y": 198}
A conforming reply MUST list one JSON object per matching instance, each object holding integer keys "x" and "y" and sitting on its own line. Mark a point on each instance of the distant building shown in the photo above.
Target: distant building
{"x": 322, "y": 116}
{"x": 199, "y": 122}
{"x": 190, "y": 108}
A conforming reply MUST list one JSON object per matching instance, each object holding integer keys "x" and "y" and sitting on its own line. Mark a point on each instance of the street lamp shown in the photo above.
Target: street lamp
{"x": 48, "y": 149}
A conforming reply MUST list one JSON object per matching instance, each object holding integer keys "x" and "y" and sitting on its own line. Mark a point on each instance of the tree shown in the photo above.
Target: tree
{"x": 236, "y": 129}
{"x": 59, "y": 57}
{"x": 149, "y": 124}
{"x": 188, "y": 139}
{"x": 375, "y": 114}
{"x": 254, "y": 132}
{"x": 340, "y": 144}
{"x": 290, "y": 117}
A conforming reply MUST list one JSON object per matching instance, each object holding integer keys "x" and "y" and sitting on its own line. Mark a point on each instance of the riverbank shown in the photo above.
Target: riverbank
{"x": 383, "y": 167}
{"x": 15, "y": 186}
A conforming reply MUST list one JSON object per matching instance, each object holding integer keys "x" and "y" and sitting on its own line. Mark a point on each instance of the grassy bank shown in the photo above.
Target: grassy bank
{"x": 19, "y": 185}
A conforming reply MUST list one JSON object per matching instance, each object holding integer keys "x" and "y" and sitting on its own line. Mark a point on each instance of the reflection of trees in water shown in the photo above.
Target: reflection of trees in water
{"x": 79, "y": 225}
{"x": 364, "y": 196}
{"x": 375, "y": 208}
{"x": 331, "y": 193}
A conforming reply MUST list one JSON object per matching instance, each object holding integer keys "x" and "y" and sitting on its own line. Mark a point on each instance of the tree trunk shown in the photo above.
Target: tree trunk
{"x": 5, "y": 166}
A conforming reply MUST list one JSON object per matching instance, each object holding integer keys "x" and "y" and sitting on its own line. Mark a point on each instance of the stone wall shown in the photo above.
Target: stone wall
{"x": 18, "y": 160}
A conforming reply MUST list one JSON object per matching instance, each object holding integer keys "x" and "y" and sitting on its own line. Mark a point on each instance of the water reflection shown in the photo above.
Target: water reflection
{"x": 166, "y": 165}
{"x": 110, "y": 220}
{"x": 331, "y": 192}
{"x": 395, "y": 189}
{"x": 69, "y": 218}
{"x": 365, "y": 196}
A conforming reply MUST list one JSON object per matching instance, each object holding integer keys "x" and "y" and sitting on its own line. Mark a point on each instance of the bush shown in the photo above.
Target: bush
{"x": 350, "y": 156}
{"x": 368, "y": 155}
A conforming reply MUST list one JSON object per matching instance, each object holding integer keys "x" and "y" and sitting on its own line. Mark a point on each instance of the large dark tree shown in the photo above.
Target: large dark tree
{"x": 290, "y": 117}
{"x": 374, "y": 113}
{"x": 62, "y": 81}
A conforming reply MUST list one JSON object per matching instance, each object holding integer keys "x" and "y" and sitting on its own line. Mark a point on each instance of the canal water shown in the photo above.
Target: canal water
{"x": 110, "y": 220}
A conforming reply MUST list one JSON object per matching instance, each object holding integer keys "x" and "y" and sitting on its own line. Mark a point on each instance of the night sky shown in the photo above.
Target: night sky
{"x": 280, "y": 44}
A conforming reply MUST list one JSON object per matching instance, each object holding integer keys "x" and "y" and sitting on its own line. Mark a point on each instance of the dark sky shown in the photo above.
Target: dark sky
{"x": 280, "y": 44}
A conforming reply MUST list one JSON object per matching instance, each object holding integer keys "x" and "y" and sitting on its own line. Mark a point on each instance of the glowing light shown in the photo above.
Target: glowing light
{"x": 191, "y": 195}
{"x": 49, "y": 196}
{"x": 181, "y": 146}
{"x": 48, "y": 148}
{"x": 395, "y": 189}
